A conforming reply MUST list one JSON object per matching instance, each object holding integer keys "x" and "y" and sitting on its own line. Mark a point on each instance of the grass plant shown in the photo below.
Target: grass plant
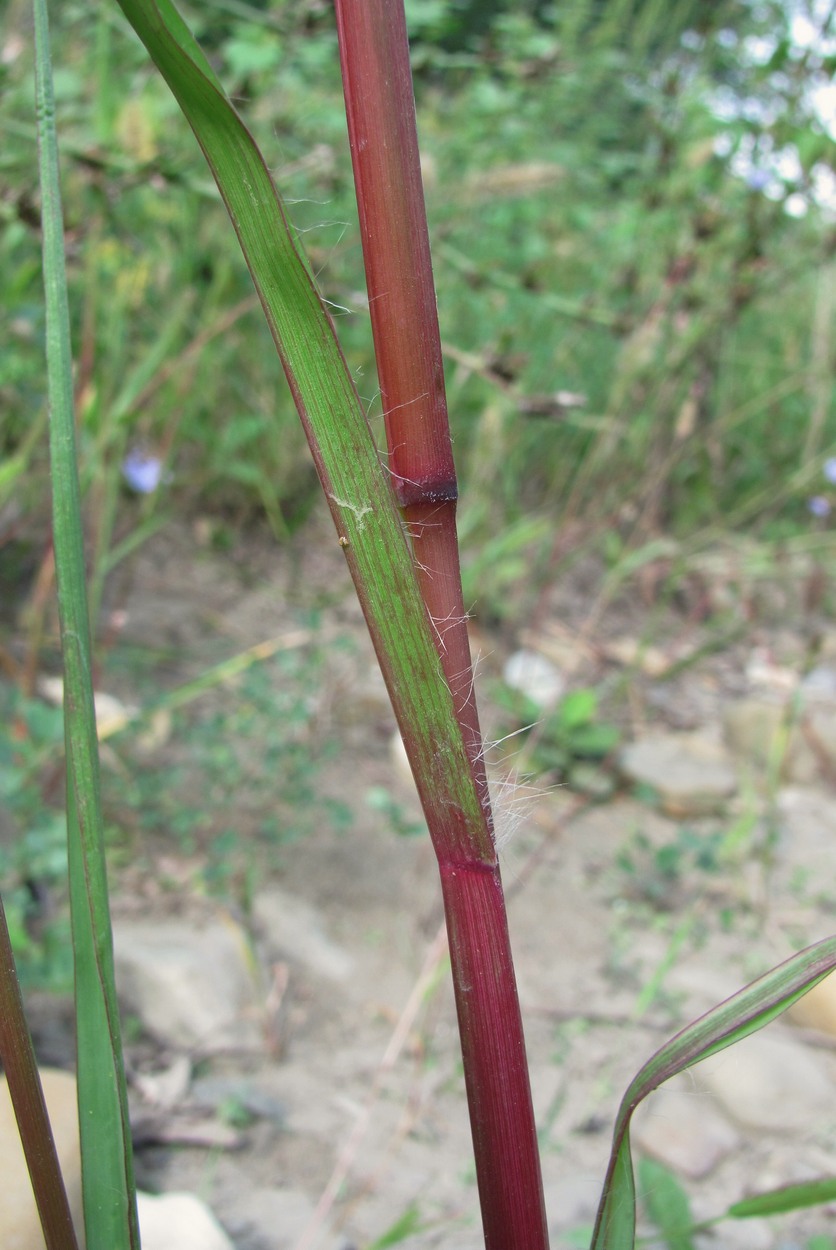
{"x": 377, "y": 79}
{"x": 107, "y": 1168}
{"x": 395, "y": 524}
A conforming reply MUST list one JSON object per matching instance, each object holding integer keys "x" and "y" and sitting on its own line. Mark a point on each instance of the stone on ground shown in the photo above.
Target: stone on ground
{"x": 770, "y": 1084}
{"x": 758, "y": 733}
{"x": 20, "y": 1228}
{"x": 178, "y": 1222}
{"x": 817, "y": 1009}
{"x": 682, "y": 1130}
{"x": 688, "y": 772}
{"x": 293, "y": 929}
{"x": 535, "y": 677}
{"x": 192, "y": 987}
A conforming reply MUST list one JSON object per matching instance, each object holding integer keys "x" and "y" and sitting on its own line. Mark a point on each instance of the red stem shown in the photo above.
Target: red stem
{"x": 377, "y": 82}
{"x": 495, "y": 1065}
{"x": 27, "y": 1097}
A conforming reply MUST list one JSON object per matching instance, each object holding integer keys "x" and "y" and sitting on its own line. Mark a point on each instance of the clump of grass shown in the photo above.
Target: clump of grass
{"x": 621, "y": 258}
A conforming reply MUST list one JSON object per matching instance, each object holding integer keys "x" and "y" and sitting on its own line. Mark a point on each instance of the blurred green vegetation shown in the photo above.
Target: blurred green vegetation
{"x": 185, "y": 782}
{"x": 637, "y": 329}
{"x": 33, "y": 839}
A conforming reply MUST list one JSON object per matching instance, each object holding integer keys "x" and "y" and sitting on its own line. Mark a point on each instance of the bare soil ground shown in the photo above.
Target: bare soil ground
{"x": 363, "y": 1066}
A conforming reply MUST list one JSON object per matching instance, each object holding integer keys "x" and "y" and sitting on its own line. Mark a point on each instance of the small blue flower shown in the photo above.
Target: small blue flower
{"x": 829, "y": 470}
{"x": 758, "y": 179}
{"x": 819, "y": 506}
{"x": 142, "y": 472}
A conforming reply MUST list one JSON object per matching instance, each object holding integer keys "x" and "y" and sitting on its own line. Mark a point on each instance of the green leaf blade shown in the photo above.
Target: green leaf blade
{"x": 107, "y": 1160}
{"x": 786, "y": 1198}
{"x": 738, "y": 1017}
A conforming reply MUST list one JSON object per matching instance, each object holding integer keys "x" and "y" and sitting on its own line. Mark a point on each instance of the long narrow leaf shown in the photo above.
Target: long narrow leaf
{"x": 347, "y": 460}
{"x": 734, "y": 1019}
{"x": 107, "y": 1166}
{"x": 786, "y": 1198}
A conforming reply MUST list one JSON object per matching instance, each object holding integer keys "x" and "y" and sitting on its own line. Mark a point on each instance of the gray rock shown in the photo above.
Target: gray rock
{"x": 818, "y": 728}
{"x": 192, "y": 986}
{"x": 216, "y": 1093}
{"x": 682, "y": 1130}
{"x": 273, "y": 1217}
{"x": 819, "y": 684}
{"x": 293, "y": 929}
{"x": 758, "y": 733}
{"x": 178, "y": 1222}
{"x": 688, "y": 772}
{"x": 536, "y": 677}
{"x": 166, "y": 1087}
{"x": 817, "y": 1009}
{"x": 20, "y": 1227}
{"x": 771, "y": 1083}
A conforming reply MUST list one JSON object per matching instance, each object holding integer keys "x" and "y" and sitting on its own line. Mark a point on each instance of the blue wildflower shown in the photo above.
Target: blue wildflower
{"x": 142, "y": 471}
{"x": 829, "y": 470}
{"x": 758, "y": 179}
{"x": 819, "y": 506}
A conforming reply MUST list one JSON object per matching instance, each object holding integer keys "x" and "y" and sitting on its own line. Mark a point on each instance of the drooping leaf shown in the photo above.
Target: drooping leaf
{"x": 739, "y": 1016}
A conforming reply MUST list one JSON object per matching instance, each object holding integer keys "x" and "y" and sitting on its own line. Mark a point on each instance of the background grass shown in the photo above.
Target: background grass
{"x": 594, "y": 233}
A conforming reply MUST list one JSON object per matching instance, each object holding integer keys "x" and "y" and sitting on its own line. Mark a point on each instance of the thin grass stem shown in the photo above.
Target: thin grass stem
{"x": 107, "y": 1161}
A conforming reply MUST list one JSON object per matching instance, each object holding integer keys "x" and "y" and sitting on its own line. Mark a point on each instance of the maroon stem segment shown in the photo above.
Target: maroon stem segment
{"x": 495, "y": 1065}
{"x": 27, "y": 1098}
{"x": 377, "y": 82}
{"x": 380, "y": 108}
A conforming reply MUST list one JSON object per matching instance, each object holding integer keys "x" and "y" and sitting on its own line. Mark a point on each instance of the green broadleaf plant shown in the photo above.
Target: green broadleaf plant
{"x": 666, "y": 1204}
{"x": 785, "y": 1198}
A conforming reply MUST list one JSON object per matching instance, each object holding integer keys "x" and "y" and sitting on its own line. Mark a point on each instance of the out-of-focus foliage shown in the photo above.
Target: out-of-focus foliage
{"x": 633, "y": 248}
